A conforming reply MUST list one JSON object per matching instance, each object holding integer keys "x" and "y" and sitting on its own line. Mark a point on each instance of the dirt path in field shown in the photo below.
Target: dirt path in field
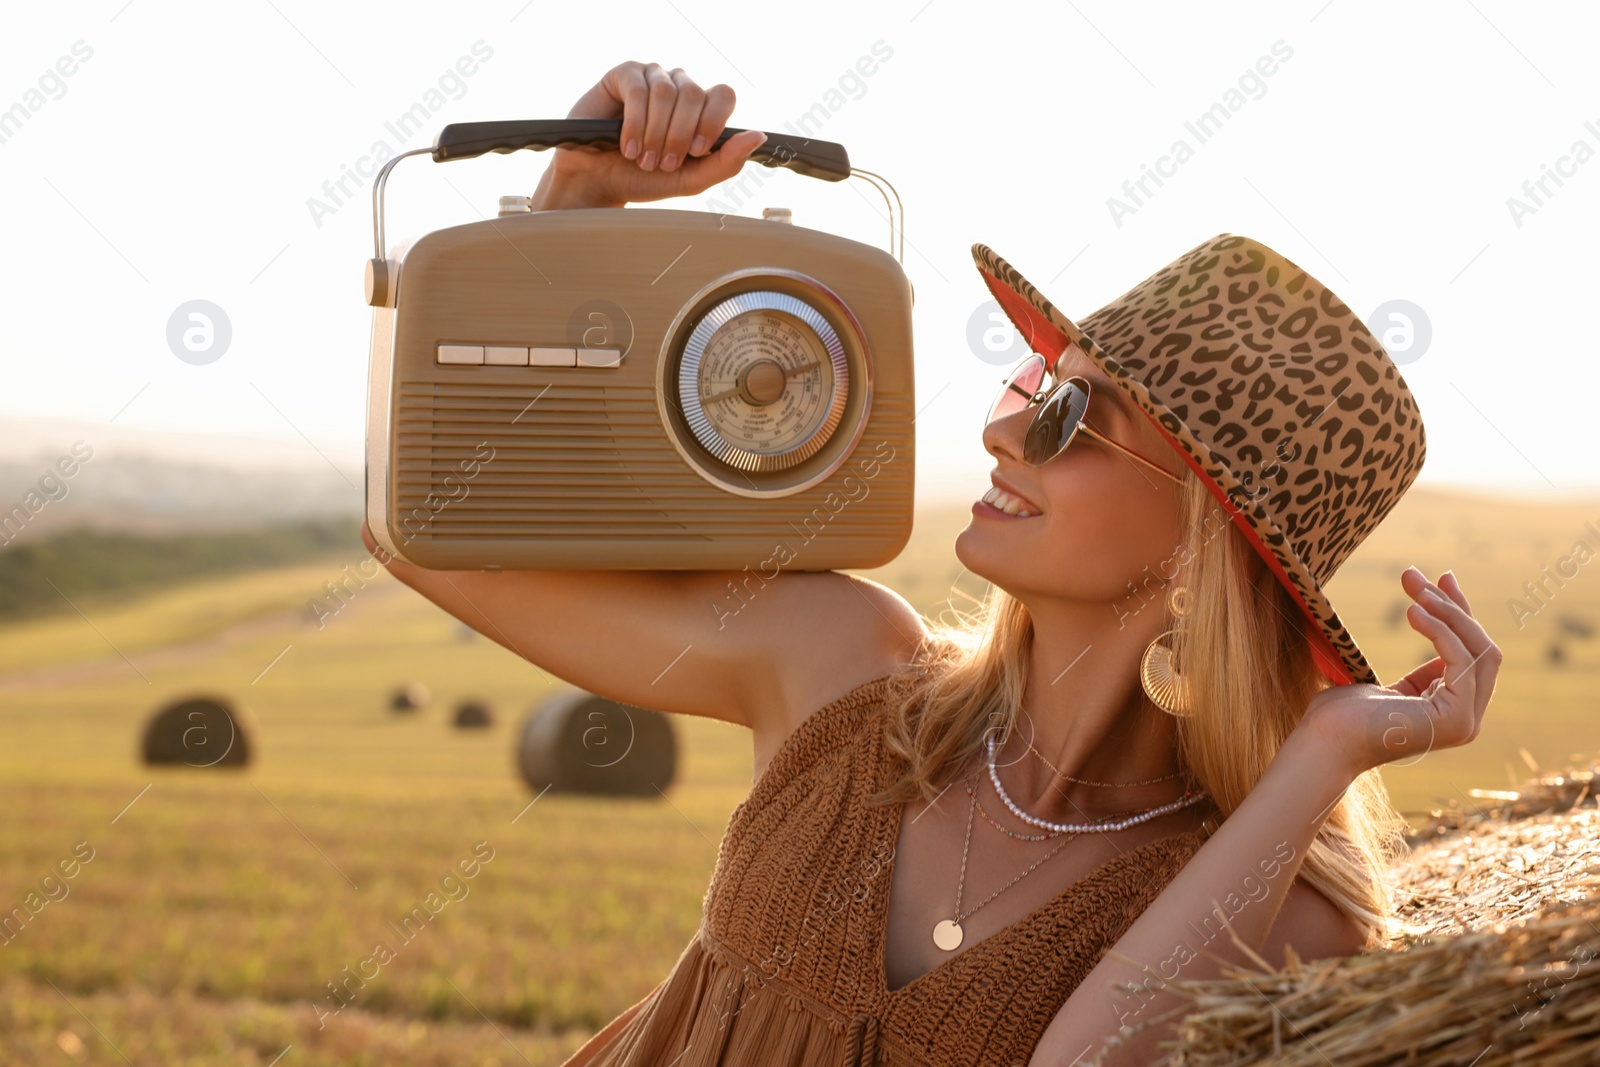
{"x": 289, "y": 624}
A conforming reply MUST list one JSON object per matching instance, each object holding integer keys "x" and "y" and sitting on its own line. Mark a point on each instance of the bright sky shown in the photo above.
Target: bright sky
{"x": 1385, "y": 152}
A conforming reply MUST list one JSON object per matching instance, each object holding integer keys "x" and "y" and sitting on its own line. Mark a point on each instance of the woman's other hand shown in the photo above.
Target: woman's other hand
{"x": 1438, "y": 705}
{"x": 668, "y": 126}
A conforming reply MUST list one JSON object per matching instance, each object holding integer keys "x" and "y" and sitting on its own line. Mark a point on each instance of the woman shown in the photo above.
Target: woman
{"x": 1154, "y": 751}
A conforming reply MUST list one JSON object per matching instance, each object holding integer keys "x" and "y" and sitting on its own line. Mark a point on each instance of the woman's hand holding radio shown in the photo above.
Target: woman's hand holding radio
{"x": 668, "y": 126}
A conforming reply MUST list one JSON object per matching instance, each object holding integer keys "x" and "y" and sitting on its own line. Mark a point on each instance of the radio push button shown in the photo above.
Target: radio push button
{"x": 553, "y": 357}
{"x": 460, "y": 354}
{"x": 504, "y": 356}
{"x": 599, "y": 357}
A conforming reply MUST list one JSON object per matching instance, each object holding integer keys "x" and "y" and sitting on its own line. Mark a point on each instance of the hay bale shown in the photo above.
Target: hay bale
{"x": 1524, "y": 994}
{"x": 473, "y": 715}
{"x": 1492, "y": 961}
{"x": 199, "y": 731}
{"x": 1557, "y": 791}
{"x": 409, "y": 697}
{"x": 1576, "y": 625}
{"x": 576, "y": 742}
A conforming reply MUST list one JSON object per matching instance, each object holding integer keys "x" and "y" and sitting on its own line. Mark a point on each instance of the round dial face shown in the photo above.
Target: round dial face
{"x": 763, "y": 380}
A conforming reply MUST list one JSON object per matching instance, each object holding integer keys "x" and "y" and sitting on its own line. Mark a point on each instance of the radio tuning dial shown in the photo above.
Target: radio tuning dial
{"x": 763, "y": 380}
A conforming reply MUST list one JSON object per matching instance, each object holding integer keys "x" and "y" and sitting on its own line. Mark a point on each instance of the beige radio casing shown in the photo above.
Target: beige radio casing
{"x": 499, "y": 466}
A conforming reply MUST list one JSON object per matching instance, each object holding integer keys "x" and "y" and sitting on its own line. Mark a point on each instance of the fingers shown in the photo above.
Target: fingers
{"x": 667, "y": 118}
{"x": 1451, "y": 697}
{"x": 1452, "y": 588}
{"x": 629, "y": 87}
{"x": 1486, "y": 659}
{"x": 1428, "y": 616}
{"x": 604, "y": 100}
{"x": 713, "y": 118}
{"x": 1468, "y": 653}
{"x": 701, "y": 174}
{"x": 1452, "y": 609}
{"x": 662, "y": 98}
{"x": 1486, "y": 654}
{"x": 685, "y": 119}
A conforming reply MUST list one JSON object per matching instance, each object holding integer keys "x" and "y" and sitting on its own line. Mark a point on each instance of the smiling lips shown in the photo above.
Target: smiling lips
{"x": 1012, "y": 505}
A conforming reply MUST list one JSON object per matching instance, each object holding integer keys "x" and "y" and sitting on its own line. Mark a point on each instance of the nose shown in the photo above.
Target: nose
{"x": 1002, "y": 438}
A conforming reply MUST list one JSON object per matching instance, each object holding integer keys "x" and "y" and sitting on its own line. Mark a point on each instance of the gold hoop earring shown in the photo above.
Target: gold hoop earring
{"x": 1158, "y": 669}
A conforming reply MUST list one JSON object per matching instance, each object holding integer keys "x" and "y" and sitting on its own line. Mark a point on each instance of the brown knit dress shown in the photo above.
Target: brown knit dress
{"x": 787, "y": 968}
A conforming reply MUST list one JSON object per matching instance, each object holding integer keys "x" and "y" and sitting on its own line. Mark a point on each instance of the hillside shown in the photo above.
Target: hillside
{"x": 47, "y": 576}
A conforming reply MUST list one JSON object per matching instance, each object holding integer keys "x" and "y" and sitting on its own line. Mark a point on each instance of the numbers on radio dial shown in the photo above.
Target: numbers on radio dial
{"x": 761, "y": 381}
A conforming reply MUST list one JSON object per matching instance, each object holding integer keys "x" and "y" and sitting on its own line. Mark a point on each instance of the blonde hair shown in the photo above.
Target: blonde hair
{"x": 1248, "y": 674}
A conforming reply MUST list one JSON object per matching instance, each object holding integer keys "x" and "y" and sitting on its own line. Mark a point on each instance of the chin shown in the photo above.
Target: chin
{"x": 1006, "y": 563}
{"x": 971, "y": 553}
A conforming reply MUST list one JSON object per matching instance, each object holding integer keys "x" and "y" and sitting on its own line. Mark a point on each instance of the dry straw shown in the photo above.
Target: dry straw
{"x": 1494, "y": 959}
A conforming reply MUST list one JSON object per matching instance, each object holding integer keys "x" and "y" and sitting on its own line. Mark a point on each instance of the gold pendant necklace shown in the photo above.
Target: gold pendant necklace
{"x": 947, "y": 933}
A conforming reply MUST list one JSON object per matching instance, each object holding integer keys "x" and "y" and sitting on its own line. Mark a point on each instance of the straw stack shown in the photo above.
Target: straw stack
{"x": 1494, "y": 959}
{"x": 1559, "y": 791}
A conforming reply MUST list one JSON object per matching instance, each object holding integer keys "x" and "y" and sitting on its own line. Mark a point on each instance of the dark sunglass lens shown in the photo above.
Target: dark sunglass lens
{"x": 1018, "y": 389}
{"x": 1054, "y": 423}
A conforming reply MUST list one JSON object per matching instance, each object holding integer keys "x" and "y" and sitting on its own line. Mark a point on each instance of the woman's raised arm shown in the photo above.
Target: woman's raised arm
{"x": 1346, "y": 731}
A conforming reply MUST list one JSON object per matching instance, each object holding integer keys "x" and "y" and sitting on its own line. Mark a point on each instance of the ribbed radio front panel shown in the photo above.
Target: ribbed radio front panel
{"x": 581, "y": 462}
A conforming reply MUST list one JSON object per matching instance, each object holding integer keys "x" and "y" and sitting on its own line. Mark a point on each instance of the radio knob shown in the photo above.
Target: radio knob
{"x": 778, "y": 214}
{"x": 515, "y": 205}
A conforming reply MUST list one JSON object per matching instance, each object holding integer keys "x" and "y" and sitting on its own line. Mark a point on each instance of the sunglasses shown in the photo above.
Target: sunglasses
{"x": 1059, "y": 417}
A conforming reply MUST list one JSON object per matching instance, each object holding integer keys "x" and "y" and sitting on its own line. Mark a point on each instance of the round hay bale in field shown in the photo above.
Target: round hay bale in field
{"x": 473, "y": 715}
{"x": 199, "y": 731}
{"x": 576, "y": 742}
{"x": 409, "y": 697}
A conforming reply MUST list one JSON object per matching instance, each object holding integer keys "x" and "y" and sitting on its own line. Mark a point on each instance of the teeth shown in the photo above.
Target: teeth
{"x": 999, "y": 498}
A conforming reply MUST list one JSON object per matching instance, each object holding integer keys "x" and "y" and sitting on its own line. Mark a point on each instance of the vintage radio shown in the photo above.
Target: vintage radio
{"x": 638, "y": 388}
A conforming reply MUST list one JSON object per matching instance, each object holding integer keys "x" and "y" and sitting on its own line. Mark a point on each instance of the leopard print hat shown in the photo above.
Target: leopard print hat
{"x": 1271, "y": 389}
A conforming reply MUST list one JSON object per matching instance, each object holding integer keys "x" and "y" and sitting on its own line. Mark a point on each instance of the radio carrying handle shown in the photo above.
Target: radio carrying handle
{"x": 825, "y": 160}
{"x": 463, "y": 140}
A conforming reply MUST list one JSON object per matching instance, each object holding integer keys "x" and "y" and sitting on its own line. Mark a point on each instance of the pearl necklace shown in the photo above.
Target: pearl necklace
{"x": 1002, "y": 829}
{"x": 1188, "y": 799}
{"x": 1013, "y": 833}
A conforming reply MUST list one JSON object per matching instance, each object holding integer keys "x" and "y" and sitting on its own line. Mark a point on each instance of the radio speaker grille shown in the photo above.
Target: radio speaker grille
{"x": 591, "y": 462}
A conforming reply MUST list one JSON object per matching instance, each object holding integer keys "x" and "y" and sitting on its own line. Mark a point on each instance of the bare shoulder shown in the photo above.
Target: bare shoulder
{"x": 830, "y": 632}
{"x": 1313, "y": 924}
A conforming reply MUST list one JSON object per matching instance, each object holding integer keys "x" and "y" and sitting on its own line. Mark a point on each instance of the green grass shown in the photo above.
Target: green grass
{"x": 42, "y": 577}
{"x": 218, "y": 905}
